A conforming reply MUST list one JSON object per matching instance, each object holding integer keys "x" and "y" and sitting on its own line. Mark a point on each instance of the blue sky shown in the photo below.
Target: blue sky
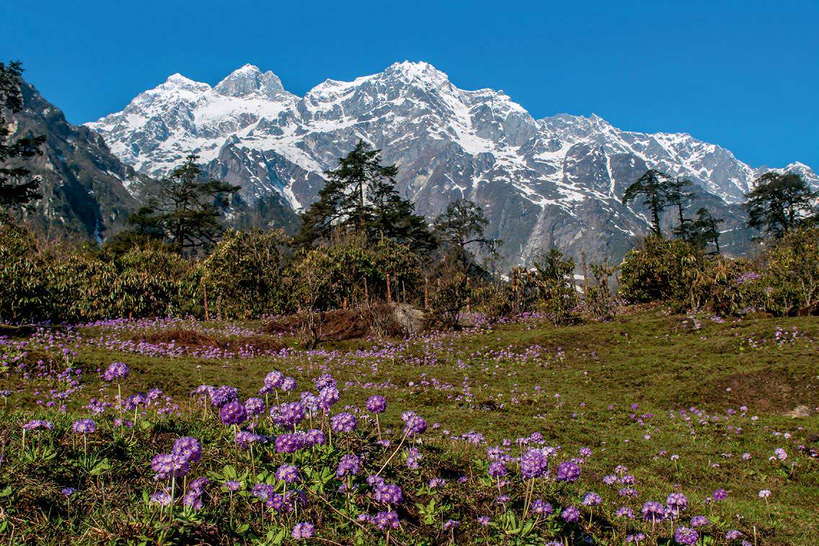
{"x": 744, "y": 75}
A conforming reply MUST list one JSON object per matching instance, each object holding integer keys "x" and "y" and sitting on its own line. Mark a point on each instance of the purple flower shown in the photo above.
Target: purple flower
{"x": 686, "y": 536}
{"x": 653, "y": 511}
{"x": 497, "y": 469}
{"x": 233, "y": 485}
{"x": 676, "y": 502}
{"x": 568, "y": 472}
{"x": 348, "y": 466}
{"x": 38, "y": 424}
{"x": 167, "y": 465}
{"x": 193, "y": 499}
{"x": 720, "y": 494}
{"x": 376, "y": 404}
{"x": 541, "y": 508}
{"x": 533, "y": 464}
{"x": 223, "y": 395}
{"x": 245, "y": 438}
{"x": 84, "y": 426}
{"x": 386, "y": 520}
{"x": 161, "y": 498}
{"x": 699, "y": 521}
{"x": 413, "y": 456}
{"x": 302, "y": 531}
{"x": 327, "y": 397}
{"x": 116, "y": 371}
{"x": 733, "y": 534}
{"x": 624, "y": 512}
{"x": 233, "y": 413}
{"x": 188, "y": 448}
{"x": 450, "y": 524}
{"x": 289, "y": 443}
{"x": 254, "y": 406}
{"x": 343, "y": 422}
{"x": 415, "y": 424}
{"x": 314, "y": 437}
{"x": 288, "y": 384}
{"x": 273, "y": 380}
{"x": 570, "y": 514}
{"x": 263, "y": 491}
{"x": 388, "y": 493}
{"x": 484, "y": 520}
{"x": 287, "y": 473}
{"x": 289, "y": 415}
{"x": 68, "y": 491}
{"x": 592, "y": 499}
{"x": 324, "y": 381}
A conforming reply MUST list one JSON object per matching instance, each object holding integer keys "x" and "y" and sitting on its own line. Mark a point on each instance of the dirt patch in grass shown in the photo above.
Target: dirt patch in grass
{"x": 768, "y": 390}
{"x": 345, "y": 324}
{"x": 181, "y": 336}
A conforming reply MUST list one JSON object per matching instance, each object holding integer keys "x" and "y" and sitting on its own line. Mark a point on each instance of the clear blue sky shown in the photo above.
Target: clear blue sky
{"x": 741, "y": 74}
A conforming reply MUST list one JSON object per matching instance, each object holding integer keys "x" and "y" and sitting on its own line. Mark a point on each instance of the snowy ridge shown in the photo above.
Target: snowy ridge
{"x": 554, "y": 180}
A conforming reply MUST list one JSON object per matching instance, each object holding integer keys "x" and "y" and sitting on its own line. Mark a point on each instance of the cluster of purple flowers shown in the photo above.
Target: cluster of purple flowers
{"x": 382, "y": 520}
{"x": 38, "y": 424}
{"x": 677, "y": 503}
{"x": 288, "y": 415}
{"x": 296, "y": 441}
{"x": 233, "y": 413}
{"x": 254, "y": 406}
{"x": 376, "y": 404}
{"x": 193, "y": 497}
{"x": 568, "y": 471}
{"x": 223, "y": 395}
{"x": 287, "y": 473}
{"x": 348, "y": 466}
{"x": 414, "y": 424}
{"x": 686, "y": 536}
{"x": 303, "y": 531}
{"x": 387, "y": 493}
{"x": 533, "y": 464}
{"x": 116, "y": 371}
{"x": 244, "y": 439}
{"x": 84, "y": 426}
{"x": 343, "y": 422}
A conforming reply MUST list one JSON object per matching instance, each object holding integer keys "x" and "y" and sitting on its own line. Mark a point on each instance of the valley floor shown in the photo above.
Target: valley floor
{"x": 687, "y": 405}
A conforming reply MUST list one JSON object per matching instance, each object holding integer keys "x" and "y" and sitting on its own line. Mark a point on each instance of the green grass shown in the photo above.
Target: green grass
{"x": 661, "y": 362}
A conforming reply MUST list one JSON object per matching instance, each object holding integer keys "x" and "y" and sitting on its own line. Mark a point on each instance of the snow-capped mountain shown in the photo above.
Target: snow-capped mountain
{"x": 542, "y": 182}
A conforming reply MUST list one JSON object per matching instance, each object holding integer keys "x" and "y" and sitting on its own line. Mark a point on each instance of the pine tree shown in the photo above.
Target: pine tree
{"x": 679, "y": 195}
{"x": 653, "y": 186}
{"x": 185, "y": 212}
{"x": 779, "y": 203}
{"x": 460, "y": 227}
{"x": 705, "y": 229}
{"x": 17, "y": 187}
{"x": 360, "y": 197}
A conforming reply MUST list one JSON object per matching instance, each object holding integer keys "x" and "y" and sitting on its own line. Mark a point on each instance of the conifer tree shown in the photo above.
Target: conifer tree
{"x": 705, "y": 229}
{"x": 186, "y": 211}
{"x": 779, "y": 203}
{"x": 653, "y": 186}
{"x": 679, "y": 195}
{"x": 17, "y": 187}
{"x": 360, "y": 197}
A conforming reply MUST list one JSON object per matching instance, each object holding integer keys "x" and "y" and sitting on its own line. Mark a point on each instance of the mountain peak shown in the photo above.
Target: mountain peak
{"x": 178, "y": 81}
{"x": 409, "y": 70}
{"x": 249, "y": 80}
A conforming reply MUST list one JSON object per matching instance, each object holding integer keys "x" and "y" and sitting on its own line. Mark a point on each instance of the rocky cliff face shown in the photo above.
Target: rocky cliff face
{"x": 84, "y": 185}
{"x": 552, "y": 181}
